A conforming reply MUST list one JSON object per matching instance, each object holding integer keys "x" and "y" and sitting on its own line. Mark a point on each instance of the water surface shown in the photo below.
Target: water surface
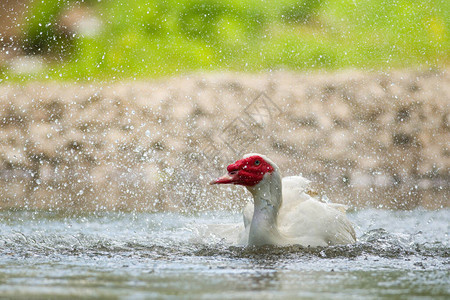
{"x": 400, "y": 254}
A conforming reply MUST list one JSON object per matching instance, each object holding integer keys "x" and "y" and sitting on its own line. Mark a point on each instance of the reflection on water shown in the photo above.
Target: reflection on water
{"x": 140, "y": 255}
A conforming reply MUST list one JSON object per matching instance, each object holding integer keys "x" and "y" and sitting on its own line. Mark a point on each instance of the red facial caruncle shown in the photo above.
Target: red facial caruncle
{"x": 248, "y": 171}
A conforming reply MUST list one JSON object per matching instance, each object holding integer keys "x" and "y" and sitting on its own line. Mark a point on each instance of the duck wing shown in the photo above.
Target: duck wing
{"x": 305, "y": 218}
{"x": 316, "y": 223}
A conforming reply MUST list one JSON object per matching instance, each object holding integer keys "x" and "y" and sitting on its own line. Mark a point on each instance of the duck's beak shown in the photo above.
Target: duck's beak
{"x": 226, "y": 179}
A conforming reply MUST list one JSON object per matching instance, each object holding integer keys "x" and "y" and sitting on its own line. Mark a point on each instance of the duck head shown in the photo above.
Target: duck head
{"x": 248, "y": 171}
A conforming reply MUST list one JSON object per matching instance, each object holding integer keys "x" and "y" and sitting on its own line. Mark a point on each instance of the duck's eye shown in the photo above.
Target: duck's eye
{"x": 257, "y": 162}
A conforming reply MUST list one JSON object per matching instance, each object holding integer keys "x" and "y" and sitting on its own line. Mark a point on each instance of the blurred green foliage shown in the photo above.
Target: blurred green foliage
{"x": 301, "y": 11}
{"x": 41, "y": 34}
{"x": 164, "y": 37}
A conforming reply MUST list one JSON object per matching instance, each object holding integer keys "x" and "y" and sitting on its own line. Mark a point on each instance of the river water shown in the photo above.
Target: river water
{"x": 400, "y": 254}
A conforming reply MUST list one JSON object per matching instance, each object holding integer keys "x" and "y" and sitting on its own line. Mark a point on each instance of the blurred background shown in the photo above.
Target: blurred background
{"x": 137, "y": 104}
{"x": 82, "y": 40}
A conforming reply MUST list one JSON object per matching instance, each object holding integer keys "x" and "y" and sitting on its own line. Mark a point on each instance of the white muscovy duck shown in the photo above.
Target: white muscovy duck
{"x": 284, "y": 212}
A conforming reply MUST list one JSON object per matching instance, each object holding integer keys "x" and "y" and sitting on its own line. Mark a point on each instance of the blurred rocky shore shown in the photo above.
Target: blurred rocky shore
{"x": 366, "y": 139}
